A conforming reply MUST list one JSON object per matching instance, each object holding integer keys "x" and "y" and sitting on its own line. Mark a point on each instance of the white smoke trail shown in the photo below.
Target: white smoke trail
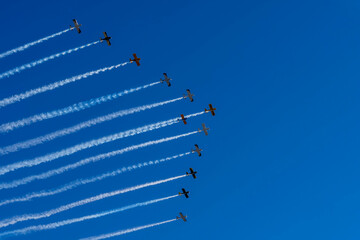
{"x": 66, "y": 131}
{"x": 26, "y": 217}
{"x": 122, "y": 232}
{"x": 19, "y": 97}
{"x": 81, "y": 219}
{"x": 80, "y": 182}
{"x": 92, "y": 143}
{"x": 22, "y": 48}
{"x": 85, "y": 161}
{"x": 40, "y": 61}
{"x": 77, "y": 107}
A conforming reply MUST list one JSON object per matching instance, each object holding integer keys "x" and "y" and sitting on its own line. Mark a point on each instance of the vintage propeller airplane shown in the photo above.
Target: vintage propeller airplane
{"x": 183, "y": 118}
{"x": 77, "y": 26}
{"x": 189, "y": 95}
{"x": 106, "y": 38}
{"x": 192, "y": 172}
{"x": 184, "y": 192}
{"x": 211, "y": 109}
{"x": 136, "y": 59}
{"x": 182, "y": 217}
{"x": 166, "y": 79}
{"x": 197, "y": 150}
{"x": 205, "y": 129}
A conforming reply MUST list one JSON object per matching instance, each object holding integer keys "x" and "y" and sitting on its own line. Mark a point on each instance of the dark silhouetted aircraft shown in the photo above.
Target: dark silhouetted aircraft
{"x": 211, "y": 109}
{"x": 197, "y": 150}
{"x": 182, "y": 217}
{"x": 106, "y": 38}
{"x": 166, "y": 79}
{"x": 192, "y": 172}
{"x": 77, "y": 26}
{"x": 184, "y": 192}
{"x": 189, "y": 95}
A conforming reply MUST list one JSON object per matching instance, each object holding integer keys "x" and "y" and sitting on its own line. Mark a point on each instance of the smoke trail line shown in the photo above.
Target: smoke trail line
{"x": 19, "y": 97}
{"x": 40, "y": 61}
{"x": 89, "y": 144}
{"x": 85, "y": 161}
{"x": 80, "y": 182}
{"x": 26, "y": 217}
{"x": 22, "y": 48}
{"x": 77, "y": 107}
{"x": 54, "y": 225}
{"x": 66, "y": 131}
{"x": 122, "y": 232}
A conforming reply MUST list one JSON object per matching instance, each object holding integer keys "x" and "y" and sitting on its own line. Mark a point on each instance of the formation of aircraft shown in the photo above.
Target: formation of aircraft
{"x": 184, "y": 192}
{"x": 189, "y": 95}
{"x": 197, "y": 150}
{"x": 77, "y": 26}
{"x": 211, "y": 109}
{"x": 181, "y": 217}
{"x": 166, "y": 79}
{"x": 136, "y": 59}
{"x": 192, "y": 172}
{"x": 204, "y": 129}
{"x": 106, "y": 38}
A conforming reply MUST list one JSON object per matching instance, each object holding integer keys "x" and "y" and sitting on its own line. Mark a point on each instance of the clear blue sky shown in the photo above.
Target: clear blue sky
{"x": 282, "y": 157}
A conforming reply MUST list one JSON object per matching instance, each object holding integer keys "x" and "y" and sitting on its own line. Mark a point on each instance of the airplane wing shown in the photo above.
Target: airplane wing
{"x": 75, "y": 22}
{"x": 105, "y": 34}
{"x": 78, "y": 29}
{"x": 108, "y": 42}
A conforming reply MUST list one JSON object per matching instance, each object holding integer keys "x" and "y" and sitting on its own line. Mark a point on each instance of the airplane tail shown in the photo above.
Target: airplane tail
{"x": 71, "y": 27}
{"x": 101, "y": 39}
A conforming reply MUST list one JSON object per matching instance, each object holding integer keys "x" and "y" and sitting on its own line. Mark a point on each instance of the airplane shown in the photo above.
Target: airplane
{"x": 189, "y": 95}
{"x": 167, "y": 79}
{"x": 106, "y": 38}
{"x": 211, "y": 109}
{"x": 77, "y": 26}
{"x": 204, "y": 129}
{"x": 192, "y": 172}
{"x": 183, "y": 118}
{"x": 182, "y": 217}
{"x": 136, "y": 59}
{"x": 197, "y": 150}
{"x": 184, "y": 192}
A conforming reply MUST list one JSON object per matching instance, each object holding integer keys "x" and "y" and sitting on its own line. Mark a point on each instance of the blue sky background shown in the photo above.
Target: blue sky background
{"x": 282, "y": 158}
